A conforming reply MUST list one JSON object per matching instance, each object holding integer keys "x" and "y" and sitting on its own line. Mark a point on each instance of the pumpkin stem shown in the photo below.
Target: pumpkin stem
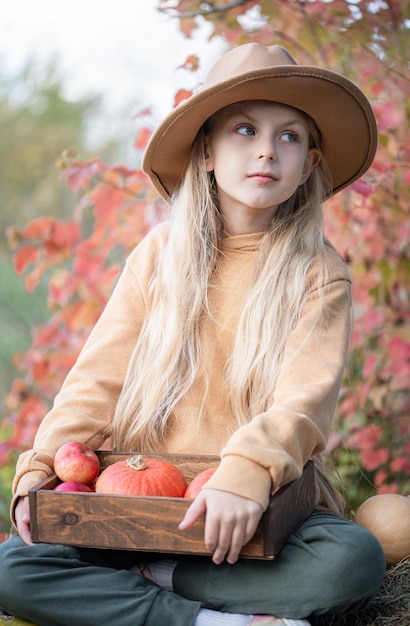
{"x": 137, "y": 462}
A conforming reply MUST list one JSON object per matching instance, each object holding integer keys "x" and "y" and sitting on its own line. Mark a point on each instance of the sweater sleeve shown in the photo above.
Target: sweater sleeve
{"x": 84, "y": 407}
{"x": 272, "y": 449}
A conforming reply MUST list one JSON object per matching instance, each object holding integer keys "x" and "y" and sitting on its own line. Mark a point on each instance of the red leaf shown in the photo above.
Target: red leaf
{"x": 32, "y": 280}
{"x": 369, "y": 367}
{"x": 181, "y": 95}
{"x": 142, "y": 138}
{"x": 366, "y": 438}
{"x": 38, "y": 228}
{"x": 372, "y": 459}
{"x": 144, "y": 112}
{"x": 79, "y": 174}
{"x": 371, "y": 321}
{"x": 391, "y": 488}
{"x": 191, "y": 63}
{"x": 87, "y": 266}
{"x": 380, "y": 478}
{"x": 58, "y": 292}
{"x": 5, "y": 450}
{"x": 107, "y": 201}
{"x": 27, "y": 255}
{"x": 399, "y": 360}
{"x": 400, "y": 465}
{"x": 361, "y": 187}
{"x": 399, "y": 349}
{"x": 389, "y": 115}
{"x": 65, "y": 234}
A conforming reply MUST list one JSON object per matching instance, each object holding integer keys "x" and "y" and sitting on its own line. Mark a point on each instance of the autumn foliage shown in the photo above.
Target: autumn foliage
{"x": 81, "y": 260}
{"x": 368, "y": 223}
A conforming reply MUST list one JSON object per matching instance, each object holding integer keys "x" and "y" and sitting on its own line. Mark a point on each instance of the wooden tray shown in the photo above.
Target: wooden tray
{"x": 151, "y": 523}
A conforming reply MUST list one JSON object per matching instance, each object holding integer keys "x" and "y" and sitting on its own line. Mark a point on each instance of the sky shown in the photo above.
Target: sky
{"x": 123, "y": 50}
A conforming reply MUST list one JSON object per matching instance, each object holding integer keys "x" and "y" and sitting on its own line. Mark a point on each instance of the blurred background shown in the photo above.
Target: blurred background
{"x": 82, "y": 85}
{"x": 75, "y": 78}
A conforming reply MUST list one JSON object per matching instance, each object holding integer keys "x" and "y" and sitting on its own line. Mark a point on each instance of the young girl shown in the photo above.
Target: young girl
{"x": 226, "y": 334}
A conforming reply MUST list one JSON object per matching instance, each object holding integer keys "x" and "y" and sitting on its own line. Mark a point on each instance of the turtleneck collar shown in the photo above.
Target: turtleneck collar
{"x": 246, "y": 242}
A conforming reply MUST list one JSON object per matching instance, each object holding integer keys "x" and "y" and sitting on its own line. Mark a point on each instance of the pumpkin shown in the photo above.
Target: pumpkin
{"x": 387, "y": 516}
{"x": 139, "y": 476}
{"x": 198, "y": 482}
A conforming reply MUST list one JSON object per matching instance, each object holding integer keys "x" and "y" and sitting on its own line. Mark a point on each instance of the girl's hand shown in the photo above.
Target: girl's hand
{"x": 23, "y": 520}
{"x": 230, "y": 522}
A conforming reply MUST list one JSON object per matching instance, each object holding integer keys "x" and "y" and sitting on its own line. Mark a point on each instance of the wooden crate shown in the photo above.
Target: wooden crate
{"x": 151, "y": 523}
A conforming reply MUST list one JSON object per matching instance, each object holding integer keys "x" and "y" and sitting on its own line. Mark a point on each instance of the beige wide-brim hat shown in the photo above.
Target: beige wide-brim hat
{"x": 252, "y": 71}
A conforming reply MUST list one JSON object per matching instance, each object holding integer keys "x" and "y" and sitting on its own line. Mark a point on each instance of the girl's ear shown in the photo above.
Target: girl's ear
{"x": 209, "y": 165}
{"x": 313, "y": 159}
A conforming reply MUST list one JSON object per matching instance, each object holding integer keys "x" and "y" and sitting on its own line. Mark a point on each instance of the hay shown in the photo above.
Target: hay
{"x": 391, "y": 606}
{"x": 14, "y": 621}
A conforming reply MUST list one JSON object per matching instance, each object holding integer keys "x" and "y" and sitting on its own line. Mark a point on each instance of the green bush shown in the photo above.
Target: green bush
{"x": 19, "y": 312}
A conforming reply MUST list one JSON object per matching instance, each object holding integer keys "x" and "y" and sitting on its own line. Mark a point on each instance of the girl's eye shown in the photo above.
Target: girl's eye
{"x": 245, "y": 129}
{"x": 290, "y": 137}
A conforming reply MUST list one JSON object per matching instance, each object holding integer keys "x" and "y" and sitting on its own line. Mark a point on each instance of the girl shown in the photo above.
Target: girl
{"x": 227, "y": 333}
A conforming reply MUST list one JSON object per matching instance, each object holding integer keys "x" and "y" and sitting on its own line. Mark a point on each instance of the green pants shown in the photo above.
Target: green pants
{"x": 329, "y": 565}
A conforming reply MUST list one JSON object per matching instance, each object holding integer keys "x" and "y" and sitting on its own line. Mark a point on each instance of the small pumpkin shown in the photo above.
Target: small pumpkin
{"x": 139, "y": 476}
{"x": 387, "y": 516}
{"x": 198, "y": 482}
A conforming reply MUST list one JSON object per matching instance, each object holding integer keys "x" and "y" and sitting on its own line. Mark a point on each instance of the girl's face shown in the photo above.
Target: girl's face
{"x": 259, "y": 153}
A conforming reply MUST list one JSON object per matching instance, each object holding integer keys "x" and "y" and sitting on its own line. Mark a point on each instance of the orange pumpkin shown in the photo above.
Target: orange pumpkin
{"x": 198, "y": 482}
{"x": 139, "y": 476}
{"x": 387, "y": 516}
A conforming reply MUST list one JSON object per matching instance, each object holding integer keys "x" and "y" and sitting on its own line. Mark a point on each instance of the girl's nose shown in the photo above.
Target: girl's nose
{"x": 266, "y": 150}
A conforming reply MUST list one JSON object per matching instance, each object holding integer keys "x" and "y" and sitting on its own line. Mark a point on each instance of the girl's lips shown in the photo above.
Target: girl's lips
{"x": 262, "y": 177}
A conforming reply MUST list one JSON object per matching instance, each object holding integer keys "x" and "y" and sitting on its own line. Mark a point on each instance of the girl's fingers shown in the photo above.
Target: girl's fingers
{"x": 230, "y": 522}
{"x": 225, "y": 535}
{"x": 242, "y": 532}
{"x": 213, "y": 541}
{"x": 23, "y": 520}
{"x": 196, "y": 509}
{"x": 238, "y": 540}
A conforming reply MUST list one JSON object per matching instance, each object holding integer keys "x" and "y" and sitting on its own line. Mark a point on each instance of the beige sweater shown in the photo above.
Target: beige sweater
{"x": 261, "y": 456}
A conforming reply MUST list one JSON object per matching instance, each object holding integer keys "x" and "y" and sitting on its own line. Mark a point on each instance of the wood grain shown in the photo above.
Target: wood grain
{"x": 151, "y": 523}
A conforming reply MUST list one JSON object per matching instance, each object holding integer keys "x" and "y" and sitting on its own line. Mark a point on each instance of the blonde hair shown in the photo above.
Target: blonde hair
{"x": 167, "y": 357}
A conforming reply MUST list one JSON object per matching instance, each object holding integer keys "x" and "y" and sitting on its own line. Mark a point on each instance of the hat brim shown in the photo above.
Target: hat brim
{"x": 338, "y": 107}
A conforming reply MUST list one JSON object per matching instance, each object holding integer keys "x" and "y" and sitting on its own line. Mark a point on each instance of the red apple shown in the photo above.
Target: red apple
{"x": 76, "y": 461}
{"x": 72, "y": 485}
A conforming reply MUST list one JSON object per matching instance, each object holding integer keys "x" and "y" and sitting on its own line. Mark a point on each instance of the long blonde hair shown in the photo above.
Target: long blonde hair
{"x": 167, "y": 357}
